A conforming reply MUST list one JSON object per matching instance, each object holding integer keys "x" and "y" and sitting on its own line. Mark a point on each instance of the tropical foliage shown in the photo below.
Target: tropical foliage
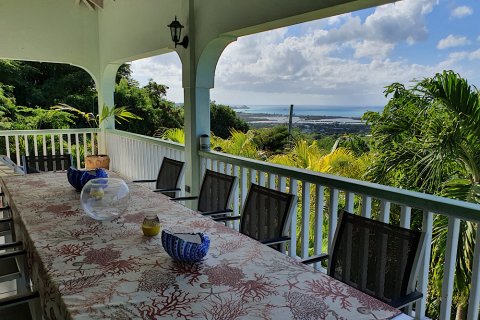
{"x": 427, "y": 139}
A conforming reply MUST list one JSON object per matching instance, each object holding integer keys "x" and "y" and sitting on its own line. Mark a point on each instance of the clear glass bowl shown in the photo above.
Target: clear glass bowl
{"x": 105, "y": 198}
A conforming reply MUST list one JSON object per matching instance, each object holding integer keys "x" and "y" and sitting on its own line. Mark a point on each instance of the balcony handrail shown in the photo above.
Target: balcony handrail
{"x": 47, "y": 131}
{"x": 153, "y": 140}
{"x": 449, "y": 207}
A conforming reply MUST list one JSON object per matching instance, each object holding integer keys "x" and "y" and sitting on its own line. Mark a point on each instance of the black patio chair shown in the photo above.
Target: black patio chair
{"x": 266, "y": 215}
{"x": 216, "y": 193}
{"x": 36, "y": 164}
{"x": 169, "y": 177}
{"x": 376, "y": 258}
{"x": 13, "y": 266}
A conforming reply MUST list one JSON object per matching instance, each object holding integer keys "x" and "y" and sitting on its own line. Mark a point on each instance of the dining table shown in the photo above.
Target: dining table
{"x": 89, "y": 269}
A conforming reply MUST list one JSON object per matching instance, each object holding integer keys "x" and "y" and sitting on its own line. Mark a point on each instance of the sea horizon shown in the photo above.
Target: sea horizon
{"x": 308, "y": 110}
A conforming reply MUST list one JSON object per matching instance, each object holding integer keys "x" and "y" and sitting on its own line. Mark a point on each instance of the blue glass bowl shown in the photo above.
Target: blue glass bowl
{"x": 78, "y": 178}
{"x": 186, "y": 247}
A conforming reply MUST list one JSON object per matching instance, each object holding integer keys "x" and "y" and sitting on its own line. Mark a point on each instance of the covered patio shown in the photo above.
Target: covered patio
{"x": 99, "y": 36}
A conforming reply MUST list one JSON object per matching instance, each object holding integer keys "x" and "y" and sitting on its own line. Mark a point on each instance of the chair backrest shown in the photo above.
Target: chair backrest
{"x": 170, "y": 175}
{"x": 34, "y": 164}
{"x": 375, "y": 257}
{"x": 216, "y": 192}
{"x": 266, "y": 214}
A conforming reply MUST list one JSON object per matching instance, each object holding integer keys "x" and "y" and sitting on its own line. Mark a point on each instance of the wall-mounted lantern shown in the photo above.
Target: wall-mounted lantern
{"x": 176, "y": 31}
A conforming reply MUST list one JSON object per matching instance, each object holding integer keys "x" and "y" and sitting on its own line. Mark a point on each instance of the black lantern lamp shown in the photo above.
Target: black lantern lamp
{"x": 176, "y": 31}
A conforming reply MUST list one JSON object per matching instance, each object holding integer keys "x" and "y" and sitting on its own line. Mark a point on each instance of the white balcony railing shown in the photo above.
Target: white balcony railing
{"x": 137, "y": 156}
{"x": 320, "y": 196}
{"x": 77, "y": 142}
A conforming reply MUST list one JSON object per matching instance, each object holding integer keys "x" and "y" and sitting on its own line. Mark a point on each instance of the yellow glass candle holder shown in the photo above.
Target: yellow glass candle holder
{"x": 151, "y": 225}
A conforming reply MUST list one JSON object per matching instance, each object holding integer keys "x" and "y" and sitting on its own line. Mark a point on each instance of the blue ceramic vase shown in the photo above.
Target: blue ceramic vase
{"x": 78, "y": 178}
{"x": 182, "y": 250}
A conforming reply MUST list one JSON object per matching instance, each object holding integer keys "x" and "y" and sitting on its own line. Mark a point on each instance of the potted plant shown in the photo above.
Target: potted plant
{"x": 96, "y": 160}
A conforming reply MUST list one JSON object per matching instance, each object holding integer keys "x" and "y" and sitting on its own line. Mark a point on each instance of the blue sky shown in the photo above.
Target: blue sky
{"x": 342, "y": 60}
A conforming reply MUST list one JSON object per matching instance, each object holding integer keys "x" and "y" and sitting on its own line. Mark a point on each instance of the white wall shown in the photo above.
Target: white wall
{"x": 50, "y": 31}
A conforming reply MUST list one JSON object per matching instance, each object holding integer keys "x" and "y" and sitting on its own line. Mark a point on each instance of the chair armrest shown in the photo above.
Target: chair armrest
{"x": 211, "y": 213}
{"x": 6, "y": 220}
{"x": 11, "y": 254}
{"x": 10, "y": 245}
{"x": 168, "y": 189}
{"x": 7, "y": 207}
{"x": 184, "y": 198}
{"x": 223, "y": 219}
{"x": 143, "y": 181}
{"x": 18, "y": 298}
{"x": 405, "y": 300}
{"x": 275, "y": 241}
{"x": 313, "y": 259}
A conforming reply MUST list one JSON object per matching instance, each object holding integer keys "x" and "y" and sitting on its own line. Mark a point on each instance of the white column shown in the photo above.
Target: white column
{"x": 198, "y": 73}
{"x": 106, "y": 88}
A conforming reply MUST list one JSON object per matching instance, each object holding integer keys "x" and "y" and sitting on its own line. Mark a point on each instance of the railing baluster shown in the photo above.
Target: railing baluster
{"x": 215, "y": 165}
{"x": 243, "y": 184}
{"x": 77, "y": 149}
{"x": 17, "y": 150}
{"x": 474, "y": 300}
{"x": 60, "y": 138}
{"x": 236, "y": 209}
{"x": 449, "y": 267}
{"x": 52, "y": 143}
{"x": 282, "y": 184}
{"x": 319, "y": 199}
{"x": 203, "y": 166}
{"x": 305, "y": 218}
{"x": 44, "y": 146}
{"x": 366, "y": 206}
{"x": 350, "y": 202}
{"x": 427, "y": 225}
{"x": 221, "y": 167}
{"x": 27, "y": 152}
{"x": 293, "y": 224}
{"x": 69, "y": 143}
{"x": 384, "y": 211}
{"x": 261, "y": 178}
{"x": 253, "y": 176}
{"x": 7, "y": 145}
{"x": 332, "y": 217}
{"x": 35, "y": 145}
{"x": 405, "y": 217}
{"x": 380, "y": 277}
{"x": 92, "y": 138}
{"x": 209, "y": 164}
{"x": 85, "y": 145}
{"x": 271, "y": 181}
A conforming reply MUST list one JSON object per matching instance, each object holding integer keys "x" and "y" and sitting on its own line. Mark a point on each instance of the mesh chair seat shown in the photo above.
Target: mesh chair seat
{"x": 216, "y": 192}
{"x": 19, "y": 312}
{"x": 35, "y": 164}
{"x": 169, "y": 177}
{"x": 266, "y": 215}
{"x": 16, "y": 306}
{"x": 377, "y": 258}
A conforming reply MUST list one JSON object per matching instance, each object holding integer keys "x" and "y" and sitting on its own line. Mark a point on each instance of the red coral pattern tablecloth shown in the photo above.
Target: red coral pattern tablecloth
{"x": 88, "y": 269}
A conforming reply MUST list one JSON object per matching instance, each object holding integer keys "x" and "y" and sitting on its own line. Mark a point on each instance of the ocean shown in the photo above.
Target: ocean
{"x": 309, "y": 110}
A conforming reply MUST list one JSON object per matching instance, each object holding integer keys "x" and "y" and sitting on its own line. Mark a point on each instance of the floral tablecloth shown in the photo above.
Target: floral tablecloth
{"x": 87, "y": 269}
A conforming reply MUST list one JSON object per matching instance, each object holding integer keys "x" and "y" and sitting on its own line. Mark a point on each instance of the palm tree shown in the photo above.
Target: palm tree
{"x": 428, "y": 139}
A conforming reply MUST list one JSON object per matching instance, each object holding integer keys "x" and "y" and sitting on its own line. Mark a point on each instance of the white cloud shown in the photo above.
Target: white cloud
{"x": 452, "y": 41}
{"x": 462, "y": 11}
{"x": 475, "y": 55}
{"x": 339, "y": 61}
{"x": 386, "y": 27}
